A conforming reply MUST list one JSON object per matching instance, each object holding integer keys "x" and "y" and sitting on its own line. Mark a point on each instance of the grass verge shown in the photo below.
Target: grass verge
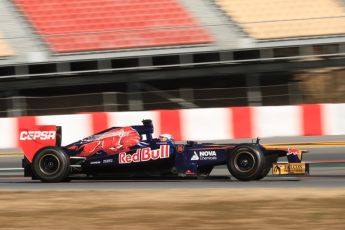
{"x": 174, "y": 209}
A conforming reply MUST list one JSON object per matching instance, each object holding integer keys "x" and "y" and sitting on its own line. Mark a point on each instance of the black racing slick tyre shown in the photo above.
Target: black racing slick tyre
{"x": 263, "y": 173}
{"x": 269, "y": 161}
{"x": 51, "y": 165}
{"x": 246, "y": 162}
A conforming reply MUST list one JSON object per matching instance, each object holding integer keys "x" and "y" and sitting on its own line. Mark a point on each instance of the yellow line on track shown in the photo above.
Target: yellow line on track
{"x": 12, "y": 154}
{"x": 325, "y": 144}
{"x": 337, "y": 143}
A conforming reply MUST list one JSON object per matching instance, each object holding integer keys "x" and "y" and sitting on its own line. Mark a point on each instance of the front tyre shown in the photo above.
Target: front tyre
{"x": 269, "y": 161}
{"x": 246, "y": 162}
{"x": 51, "y": 165}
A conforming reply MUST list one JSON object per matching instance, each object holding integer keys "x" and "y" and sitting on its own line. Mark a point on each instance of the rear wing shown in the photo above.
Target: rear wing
{"x": 34, "y": 138}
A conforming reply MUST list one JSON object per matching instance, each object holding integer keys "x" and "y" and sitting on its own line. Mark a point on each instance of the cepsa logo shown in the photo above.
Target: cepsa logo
{"x": 37, "y": 135}
{"x": 145, "y": 154}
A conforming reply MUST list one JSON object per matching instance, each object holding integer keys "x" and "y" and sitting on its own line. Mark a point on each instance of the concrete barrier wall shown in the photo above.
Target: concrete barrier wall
{"x": 195, "y": 124}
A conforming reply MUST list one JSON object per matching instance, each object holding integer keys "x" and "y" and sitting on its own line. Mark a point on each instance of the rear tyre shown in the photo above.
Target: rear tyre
{"x": 246, "y": 162}
{"x": 51, "y": 165}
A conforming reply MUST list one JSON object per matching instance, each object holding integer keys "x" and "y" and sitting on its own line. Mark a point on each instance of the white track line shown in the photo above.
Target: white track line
{"x": 11, "y": 169}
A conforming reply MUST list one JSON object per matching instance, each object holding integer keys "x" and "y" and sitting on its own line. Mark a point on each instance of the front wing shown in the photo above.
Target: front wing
{"x": 290, "y": 169}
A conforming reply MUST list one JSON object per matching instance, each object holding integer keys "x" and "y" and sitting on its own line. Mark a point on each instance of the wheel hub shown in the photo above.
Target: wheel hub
{"x": 49, "y": 164}
{"x": 244, "y": 161}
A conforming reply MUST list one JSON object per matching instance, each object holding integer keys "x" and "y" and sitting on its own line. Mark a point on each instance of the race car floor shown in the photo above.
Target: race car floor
{"x": 321, "y": 177}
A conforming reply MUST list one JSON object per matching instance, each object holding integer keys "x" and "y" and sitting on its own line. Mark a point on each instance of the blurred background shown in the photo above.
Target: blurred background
{"x": 71, "y": 56}
{"x": 201, "y": 70}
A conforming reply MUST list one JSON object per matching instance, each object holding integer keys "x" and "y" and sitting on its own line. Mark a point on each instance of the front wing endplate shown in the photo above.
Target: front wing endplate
{"x": 290, "y": 169}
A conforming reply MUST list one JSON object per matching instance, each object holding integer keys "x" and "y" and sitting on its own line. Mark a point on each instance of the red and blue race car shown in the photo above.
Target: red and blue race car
{"x": 132, "y": 151}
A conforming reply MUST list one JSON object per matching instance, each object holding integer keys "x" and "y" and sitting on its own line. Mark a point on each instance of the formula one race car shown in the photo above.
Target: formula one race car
{"x": 133, "y": 152}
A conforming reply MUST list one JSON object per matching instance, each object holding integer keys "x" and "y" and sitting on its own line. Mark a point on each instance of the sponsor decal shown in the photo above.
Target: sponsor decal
{"x": 108, "y": 161}
{"x": 180, "y": 148}
{"x": 289, "y": 168}
{"x": 208, "y": 155}
{"x": 293, "y": 151}
{"x": 277, "y": 169}
{"x": 195, "y": 157}
{"x": 296, "y": 168}
{"x": 145, "y": 154}
{"x": 112, "y": 142}
{"x": 37, "y": 135}
{"x": 95, "y": 162}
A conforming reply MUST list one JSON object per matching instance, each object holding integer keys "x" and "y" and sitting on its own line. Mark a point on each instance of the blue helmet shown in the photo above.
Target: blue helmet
{"x": 166, "y": 138}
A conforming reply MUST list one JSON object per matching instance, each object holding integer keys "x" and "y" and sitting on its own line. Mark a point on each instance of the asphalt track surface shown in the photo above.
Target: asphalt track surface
{"x": 322, "y": 176}
{"x": 325, "y": 177}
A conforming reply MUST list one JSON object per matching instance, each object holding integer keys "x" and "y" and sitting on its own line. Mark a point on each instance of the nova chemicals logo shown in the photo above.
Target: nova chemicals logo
{"x": 195, "y": 157}
{"x": 208, "y": 155}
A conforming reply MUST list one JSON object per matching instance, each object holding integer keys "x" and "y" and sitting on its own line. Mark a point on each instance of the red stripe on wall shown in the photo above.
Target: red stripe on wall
{"x": 242, "y": 122}
{"x": 170, "y": 122}
{"x": 312, "y": 120}
{"x": 24, "y": 122}
{"x": 99, "y": 122}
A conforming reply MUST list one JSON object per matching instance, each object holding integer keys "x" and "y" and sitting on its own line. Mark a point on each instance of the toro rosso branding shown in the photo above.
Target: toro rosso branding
{"x": 37, "y": 135}
{"x": 145, "y": 154}
{"x": 111, "y": 142}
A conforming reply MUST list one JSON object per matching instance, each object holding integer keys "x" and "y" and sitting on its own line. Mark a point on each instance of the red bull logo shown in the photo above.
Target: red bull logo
{"x": 293, "y": 151}
{"x": 294, "y": 155}
{"x": 145, "y": 154}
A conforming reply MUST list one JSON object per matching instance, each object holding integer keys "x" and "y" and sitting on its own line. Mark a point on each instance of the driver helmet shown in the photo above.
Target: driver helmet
{"x": 166, "y": 138}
